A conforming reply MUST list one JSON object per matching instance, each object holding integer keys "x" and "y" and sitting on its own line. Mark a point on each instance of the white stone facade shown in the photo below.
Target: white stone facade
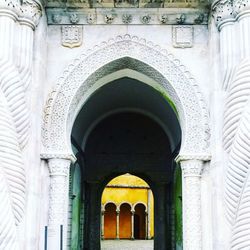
{"x": 53, "y": 58}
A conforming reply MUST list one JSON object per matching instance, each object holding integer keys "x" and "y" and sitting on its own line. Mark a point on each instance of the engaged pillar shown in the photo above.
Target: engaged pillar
{"x": 58, "y": 201}
{"x": 191, "y": 189}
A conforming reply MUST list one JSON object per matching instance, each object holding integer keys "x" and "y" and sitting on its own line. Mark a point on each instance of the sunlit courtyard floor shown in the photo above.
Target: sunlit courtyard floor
{"x": 127, "y": 245}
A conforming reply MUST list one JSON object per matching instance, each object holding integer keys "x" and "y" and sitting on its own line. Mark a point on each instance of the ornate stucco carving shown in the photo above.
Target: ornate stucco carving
{"x": 15, "y": 77}
{"x": 226, "y": 11}
{"x": 237, "y": 145}
{"x": 12, "y": 175}
{"x": 27, "y": 11}
{"x": 241, "y": 6}
{"x": 133, "y": 53}
{"x": 222, "y": 11}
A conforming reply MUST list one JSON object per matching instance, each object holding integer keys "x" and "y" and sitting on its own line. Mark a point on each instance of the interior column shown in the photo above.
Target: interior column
{"x": 117, "y": 224}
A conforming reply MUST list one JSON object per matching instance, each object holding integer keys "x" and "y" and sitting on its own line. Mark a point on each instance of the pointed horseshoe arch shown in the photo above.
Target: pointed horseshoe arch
{"x": 127, "y": 54}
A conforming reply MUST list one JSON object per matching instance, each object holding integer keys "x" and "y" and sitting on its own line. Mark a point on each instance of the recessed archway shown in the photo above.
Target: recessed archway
{"x": 133, "y": 58}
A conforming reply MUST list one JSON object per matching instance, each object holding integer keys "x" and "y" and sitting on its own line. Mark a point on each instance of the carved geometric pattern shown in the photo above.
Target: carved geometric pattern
{"x": 66, "y": 98}
{"x": 237, "y": 145}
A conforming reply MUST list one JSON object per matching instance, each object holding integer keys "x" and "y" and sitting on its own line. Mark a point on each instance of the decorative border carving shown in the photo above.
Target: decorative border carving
{"x": 130, "y": 16}
{"x": 133, "y": 53}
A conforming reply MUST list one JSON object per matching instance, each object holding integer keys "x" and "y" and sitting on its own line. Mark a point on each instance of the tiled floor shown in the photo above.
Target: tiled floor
{"x": 127, "y": 245}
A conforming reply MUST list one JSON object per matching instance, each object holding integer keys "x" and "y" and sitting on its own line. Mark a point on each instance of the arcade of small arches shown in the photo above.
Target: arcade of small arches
{"x": 125, "y": 221}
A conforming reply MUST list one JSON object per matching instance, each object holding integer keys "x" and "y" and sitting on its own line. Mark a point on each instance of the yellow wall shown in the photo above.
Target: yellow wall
{"x": 137, "y": 192}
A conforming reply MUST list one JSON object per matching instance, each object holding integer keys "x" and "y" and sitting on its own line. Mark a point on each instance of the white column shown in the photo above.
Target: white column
{"x": 58, "y": 201}
{"x": 117, "y": 224}
{"x": 102, "y": 224}
{"x": 148, "y": 214}
{"x": 146, "y": 225}
{"x": 132, "y": 224}
{"x": 191, "y": 178}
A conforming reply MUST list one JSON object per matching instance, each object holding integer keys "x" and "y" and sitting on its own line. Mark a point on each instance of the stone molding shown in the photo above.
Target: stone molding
{"x": 59, "y": 167}
{"x": 229, "y": 11}
{"x": 26, "y": 12}
{"x": 192, "y": 168}
{"x": 201, "y": 157}
{"x": 128, "y": 52}
{"x": 127, "y": 16}
{"x": 55, "y": 155}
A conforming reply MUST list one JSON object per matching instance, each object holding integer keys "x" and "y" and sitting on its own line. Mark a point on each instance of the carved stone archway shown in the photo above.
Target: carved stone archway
{"x": 81, "y": 79}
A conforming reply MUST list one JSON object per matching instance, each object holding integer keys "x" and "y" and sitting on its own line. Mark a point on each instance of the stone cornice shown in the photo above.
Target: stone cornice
{"x": 28, "y": 12}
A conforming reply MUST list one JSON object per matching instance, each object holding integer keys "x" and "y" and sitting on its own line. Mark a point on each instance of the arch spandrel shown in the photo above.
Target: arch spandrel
{"x": 74, "y": 87}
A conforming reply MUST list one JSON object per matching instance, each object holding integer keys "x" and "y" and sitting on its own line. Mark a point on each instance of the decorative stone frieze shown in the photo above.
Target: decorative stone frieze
{"x": 181, "y": 19}
{"x": 74, "y": 18}
{"x": 129, "y": 16}
{"x": 164, "y": 18}
{"x": 109, "y": 18}
{"x": 146, "y": 19}
{"x": 91, "y": 18}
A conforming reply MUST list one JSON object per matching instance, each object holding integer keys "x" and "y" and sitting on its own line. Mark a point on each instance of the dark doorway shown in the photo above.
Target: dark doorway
{"x": 128, "y": 127}
{"x": 137, "y": 226}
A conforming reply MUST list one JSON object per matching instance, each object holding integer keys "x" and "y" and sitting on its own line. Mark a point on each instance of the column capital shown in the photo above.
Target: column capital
{"x": 192, "y": 167}
{"x": 241, "y": 7}
{"x": 223, "y": 12}
{"x": 31, "y": 10}
{"x": 27, "y": 12}
{"x": 59, "y": 166}
{"x": 187, "y": 157}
